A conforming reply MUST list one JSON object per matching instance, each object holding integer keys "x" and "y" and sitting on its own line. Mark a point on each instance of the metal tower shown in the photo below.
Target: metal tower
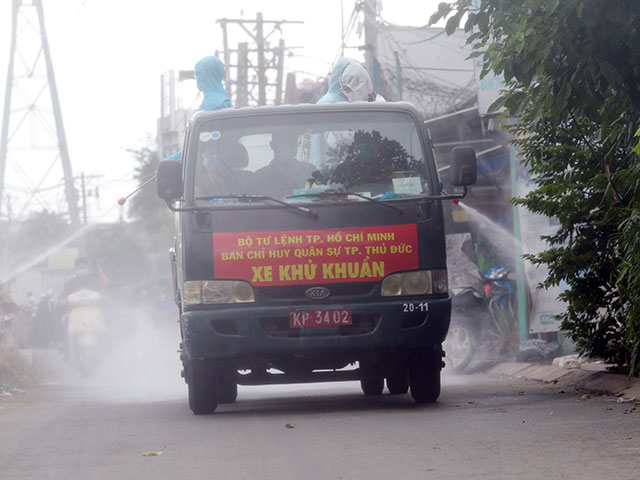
{"x": 33, "y": 143}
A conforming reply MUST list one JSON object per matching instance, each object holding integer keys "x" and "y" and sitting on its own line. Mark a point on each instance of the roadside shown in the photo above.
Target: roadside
{"x": 587, "y": 377}
{"x": 18, "y": 371}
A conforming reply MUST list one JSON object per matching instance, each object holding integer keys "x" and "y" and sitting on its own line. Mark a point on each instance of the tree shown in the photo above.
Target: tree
{"x": 571, "y": 72}
{"x": 146, "y": 205}
{"x": 150, "y": 212}
{"x": 41, "y": 230}
{"x": 153, "y": 226}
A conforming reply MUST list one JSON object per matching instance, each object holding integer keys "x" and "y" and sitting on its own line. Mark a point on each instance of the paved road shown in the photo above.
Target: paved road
{"x": 482, "y": 427}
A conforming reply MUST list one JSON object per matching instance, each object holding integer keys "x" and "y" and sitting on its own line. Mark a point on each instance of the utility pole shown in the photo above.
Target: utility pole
{"x": 262, "y": 79}
{"x": 280, "y": 72}
{"x": 242, "y": 69}
{"x": 84, "y": 200}
{"x": 257, "y": 56}
{"x": 85, "y": 191}
{"x": 35, "y": 84}
{"x": 370, "y": 8}
{"x": 290, "y": 91}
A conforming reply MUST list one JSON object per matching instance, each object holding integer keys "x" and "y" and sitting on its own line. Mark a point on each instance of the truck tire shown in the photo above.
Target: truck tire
{"x": 398, "y": 381}
{"x": 372, "y": 385}
{"x": 424, "y": 374}
{"x": 202, "y": 380}
{"x": 460, "y": 344}
{"x": 227, "y": 388}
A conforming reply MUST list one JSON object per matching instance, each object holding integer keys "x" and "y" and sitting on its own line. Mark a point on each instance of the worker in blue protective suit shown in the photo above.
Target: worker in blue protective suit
{"x": 209, "y": 72}
{"x": 349, "y": 81}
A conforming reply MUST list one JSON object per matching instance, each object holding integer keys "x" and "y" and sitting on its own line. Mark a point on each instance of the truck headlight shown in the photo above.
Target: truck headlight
{"x": 419, "y": 282}
{"x": 213, "y": 292}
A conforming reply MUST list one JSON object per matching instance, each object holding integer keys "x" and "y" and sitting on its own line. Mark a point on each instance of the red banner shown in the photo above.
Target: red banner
{"x": 295, "y": 257}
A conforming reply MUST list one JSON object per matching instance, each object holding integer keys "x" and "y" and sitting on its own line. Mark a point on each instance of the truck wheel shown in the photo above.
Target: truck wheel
{"x": 398, "y": 381}
{"x": 372, "y": 385}
{"x": 228, "y": 388}
{"x": 460, "y": 344}
{"x": 424, "y": 375}
{"x": 202, "y": 379}
{"x": 371, "y": 378}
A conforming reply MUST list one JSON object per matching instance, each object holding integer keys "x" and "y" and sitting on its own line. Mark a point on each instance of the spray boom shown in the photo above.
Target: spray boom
{"x": 123, "y": 200}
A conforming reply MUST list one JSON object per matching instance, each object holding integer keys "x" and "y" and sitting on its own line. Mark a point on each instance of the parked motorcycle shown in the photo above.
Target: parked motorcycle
{"x": 471, "y": 321}
{"x": 87, "y": 341}
{"x": 499, "y": 293}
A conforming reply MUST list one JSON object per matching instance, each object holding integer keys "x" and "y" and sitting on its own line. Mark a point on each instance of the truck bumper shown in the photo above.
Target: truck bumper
{"x": 237, "y": 331}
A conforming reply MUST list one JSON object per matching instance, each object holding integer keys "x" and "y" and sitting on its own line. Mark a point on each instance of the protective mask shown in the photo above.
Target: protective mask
{"x": 83, "y": 272}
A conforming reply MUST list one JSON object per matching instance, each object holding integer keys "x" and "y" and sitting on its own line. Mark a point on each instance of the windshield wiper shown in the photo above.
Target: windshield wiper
{"x": 333, "y": 193}
{"x": 258, "y": 198}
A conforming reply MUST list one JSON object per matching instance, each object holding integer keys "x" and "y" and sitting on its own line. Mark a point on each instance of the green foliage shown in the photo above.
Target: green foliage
{"x": 146, "y": 205}
{"x": 149, "y": 211}
{"x": 121, "y": 253}
{"x": 33, "y": 237}
{"x": 16, "y": 371}
{"x": 41, "y": 229}
{"x": 571, "y": 72}
{"x": 147, "y": 240}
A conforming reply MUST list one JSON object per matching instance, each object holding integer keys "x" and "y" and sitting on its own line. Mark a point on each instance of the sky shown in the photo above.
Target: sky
{"x": 108, "y": 58}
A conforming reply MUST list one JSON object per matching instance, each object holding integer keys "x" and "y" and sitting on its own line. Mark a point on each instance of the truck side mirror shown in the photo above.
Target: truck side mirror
{"x": 464, "y": 170}
{"x": 170, "y": 180}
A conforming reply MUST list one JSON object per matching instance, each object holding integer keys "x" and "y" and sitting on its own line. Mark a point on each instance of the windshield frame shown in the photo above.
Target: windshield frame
{"x": 191, "y": 145}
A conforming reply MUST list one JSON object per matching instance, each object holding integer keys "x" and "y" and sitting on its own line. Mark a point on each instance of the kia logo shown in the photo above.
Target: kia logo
{"x": 317, "y": 293}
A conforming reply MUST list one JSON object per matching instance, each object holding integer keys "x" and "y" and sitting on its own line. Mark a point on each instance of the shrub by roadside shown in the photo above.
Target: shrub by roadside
{"x": 17, "y": 373}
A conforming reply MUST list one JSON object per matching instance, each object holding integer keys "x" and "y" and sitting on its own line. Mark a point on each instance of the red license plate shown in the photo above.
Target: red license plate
{"x": 334, "y": 317}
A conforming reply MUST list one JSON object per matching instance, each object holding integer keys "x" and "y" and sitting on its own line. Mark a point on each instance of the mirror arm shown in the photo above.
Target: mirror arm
{"x": 172, "y": 206}
{"x": 455, "y": 196}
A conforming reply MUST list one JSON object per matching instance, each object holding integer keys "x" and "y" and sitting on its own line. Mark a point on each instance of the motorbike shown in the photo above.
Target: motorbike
{"x": 482, "y": 319}
{"x": 470, "y": 317}
{"x": 86, "y": 331}
{"x": 499, "y": 291}
{"x": 468, "y": 332}
{"x": 482, "y": 316}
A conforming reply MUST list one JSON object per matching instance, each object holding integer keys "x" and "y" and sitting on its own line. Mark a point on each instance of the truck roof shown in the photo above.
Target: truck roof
{"x": 406, "y": 107}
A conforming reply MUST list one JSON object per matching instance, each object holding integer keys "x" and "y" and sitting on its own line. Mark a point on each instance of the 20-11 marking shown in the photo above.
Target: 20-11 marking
{"x": 415, "y": 307}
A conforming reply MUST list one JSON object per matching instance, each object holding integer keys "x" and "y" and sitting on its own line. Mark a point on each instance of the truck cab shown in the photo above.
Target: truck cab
{"x": 310, "y": 247}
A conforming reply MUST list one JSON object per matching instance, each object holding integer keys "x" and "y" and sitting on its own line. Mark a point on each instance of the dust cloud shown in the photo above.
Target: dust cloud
{"x": 142, "y": 364}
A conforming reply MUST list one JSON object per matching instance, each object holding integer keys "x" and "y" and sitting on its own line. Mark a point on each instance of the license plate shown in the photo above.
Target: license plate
{"x": 334, "y": 317}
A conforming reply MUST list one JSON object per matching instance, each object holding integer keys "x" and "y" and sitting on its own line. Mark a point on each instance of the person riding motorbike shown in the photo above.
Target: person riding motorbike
{"x": 83, "y": 291}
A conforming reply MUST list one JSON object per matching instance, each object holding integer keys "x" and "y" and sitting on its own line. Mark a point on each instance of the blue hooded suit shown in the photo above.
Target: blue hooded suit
{"x": 209, "y": 72}
{"x": 335, "y": 93}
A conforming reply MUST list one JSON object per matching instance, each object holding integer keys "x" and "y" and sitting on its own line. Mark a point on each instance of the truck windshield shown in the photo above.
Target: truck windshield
{"x": 285, "y": 156}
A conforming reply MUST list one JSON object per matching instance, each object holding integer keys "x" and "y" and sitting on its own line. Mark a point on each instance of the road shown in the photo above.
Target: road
{"x": 482, "y": 427}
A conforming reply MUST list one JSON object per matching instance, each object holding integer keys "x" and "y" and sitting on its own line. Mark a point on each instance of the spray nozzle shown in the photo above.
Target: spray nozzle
{"x": 123, "y": 200}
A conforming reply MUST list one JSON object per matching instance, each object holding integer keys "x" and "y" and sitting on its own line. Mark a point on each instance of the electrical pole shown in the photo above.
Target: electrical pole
{"x": 86, "y": 192}
{"x": 242, "y": 83}
{"x": 257, "y": 56}
{"x": 370, "y": 8}
{"x": 84, "y": 200}
{"x": 28, "y": 80}
{"x": 262, "y": 79}
{"x": 227, "y": 57}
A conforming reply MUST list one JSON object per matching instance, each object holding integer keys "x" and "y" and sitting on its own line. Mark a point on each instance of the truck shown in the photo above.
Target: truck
{"x": 310, "y": 247}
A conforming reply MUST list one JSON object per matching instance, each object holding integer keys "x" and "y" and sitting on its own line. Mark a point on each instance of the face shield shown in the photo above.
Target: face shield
{"x": 356, "y": 83}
